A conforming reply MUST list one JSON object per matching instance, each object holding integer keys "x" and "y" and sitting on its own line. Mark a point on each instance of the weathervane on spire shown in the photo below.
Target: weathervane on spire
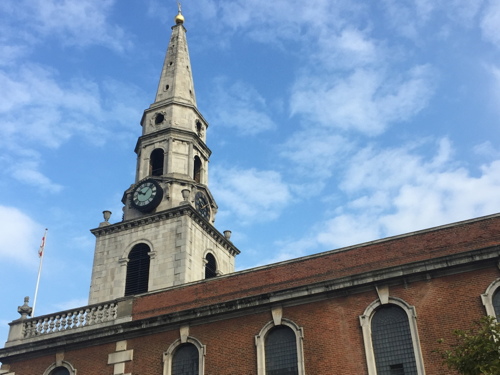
{"x": 179, "y": 7}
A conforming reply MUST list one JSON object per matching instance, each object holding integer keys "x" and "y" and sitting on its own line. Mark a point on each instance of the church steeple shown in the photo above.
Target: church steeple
{"x": 167, "y": 235}
{"x": 176, "y": 81}
{"x": 172, "y": 149}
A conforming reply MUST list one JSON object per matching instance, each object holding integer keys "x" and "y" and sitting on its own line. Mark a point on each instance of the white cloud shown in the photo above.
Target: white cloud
{"x": 250, "y": 195}
{"x": 490, "y": 22}
{"x": 394, "y": 191}
{"x": 38, "y": 110}
{"x": 347, "y": 49}
{"x": 487, "y": 149}
{"x": 10, "y": 54}
{"x": 21, "y": 237}
{"x": 36, "y": 107}
{"x": 239, "y": 105}
{"x": 79, "y": 23}
{"x": 316, "y": 153}
{"x": 366, "y": 101}
{"x": 27, "y": 172}
{"x": 71, "y": 304}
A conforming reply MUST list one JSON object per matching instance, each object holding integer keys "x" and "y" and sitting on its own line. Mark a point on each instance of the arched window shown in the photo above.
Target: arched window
{"x": 199, "y": 128}
{"x": 156, "y": 162}
{"x": 279, "y": 348}
{"x": 197, "y": 169}
{"x": 491, "y": 299}
{"x": 184, "y": 357}
{"x": 63, "y": 368}
{"x": 137, "y": 270}
{"x": 185, "y": 360}
{"x": 210, "y": 266}
{"x": 281, "y": 351}
{"x": 496, "y": 303}
{"x": 391, "y": 338}
{"x": 392, "y": 342}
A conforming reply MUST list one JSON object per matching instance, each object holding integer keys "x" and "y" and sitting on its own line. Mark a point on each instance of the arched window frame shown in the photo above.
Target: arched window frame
{"x": 260, "y": 343}
{"x": 169, "y": 354}
{"x": 205, "y": 263}
{"x": 124, "y": 260}
{"x": 197, "y": 169}
{"x": 366, "y": 324}
{"x": 155, "y": 157}
{"x": 487, "y": 298}
{"x": 64, "y": 364}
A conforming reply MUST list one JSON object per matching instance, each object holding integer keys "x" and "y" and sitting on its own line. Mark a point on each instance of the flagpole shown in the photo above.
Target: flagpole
{"x": 40, "y": 254}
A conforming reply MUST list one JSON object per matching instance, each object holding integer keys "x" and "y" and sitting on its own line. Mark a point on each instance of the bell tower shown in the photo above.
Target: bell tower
{"x": 167, "y": 235}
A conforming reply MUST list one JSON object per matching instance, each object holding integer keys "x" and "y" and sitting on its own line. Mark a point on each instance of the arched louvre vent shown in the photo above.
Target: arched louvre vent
{"x": 210, "y": 266}
{"x": 137, "y": 270}
{"x": 156, "y": 162}
{"x": 185, "y": 361}
{"x": 197, "y": 169}
{"x": 281, "y": 351}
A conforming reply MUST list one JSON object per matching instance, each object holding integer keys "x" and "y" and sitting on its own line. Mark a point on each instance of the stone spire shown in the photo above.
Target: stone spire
{"x": 176, "y": 81}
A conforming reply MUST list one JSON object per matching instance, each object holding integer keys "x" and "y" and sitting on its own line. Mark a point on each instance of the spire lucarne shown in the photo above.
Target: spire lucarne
{"x": 167, "y": 236}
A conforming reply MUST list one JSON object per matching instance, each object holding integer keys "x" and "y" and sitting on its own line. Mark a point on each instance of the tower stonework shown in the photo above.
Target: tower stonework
{"x": 167, "y": 235}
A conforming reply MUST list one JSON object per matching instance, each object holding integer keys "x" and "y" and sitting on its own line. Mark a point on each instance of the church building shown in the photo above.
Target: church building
{"x": 165, "y": 298}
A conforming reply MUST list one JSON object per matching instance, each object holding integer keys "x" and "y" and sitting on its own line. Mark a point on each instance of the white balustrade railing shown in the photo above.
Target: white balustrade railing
{"x": 70, "y": 319}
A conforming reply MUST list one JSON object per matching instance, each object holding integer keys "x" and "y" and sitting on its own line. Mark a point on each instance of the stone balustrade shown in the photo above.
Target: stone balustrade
{"x": 64, "y": 322}
{"x": 71, "y": 319}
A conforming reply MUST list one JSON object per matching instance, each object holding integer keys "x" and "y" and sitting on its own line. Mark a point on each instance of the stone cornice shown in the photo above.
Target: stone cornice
{"x": 184, "y": 210}
{"x": 185, "y": 134}
{"x": 408, "y": 273}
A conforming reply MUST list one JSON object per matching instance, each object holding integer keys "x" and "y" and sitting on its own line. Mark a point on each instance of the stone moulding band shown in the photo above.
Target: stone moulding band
{"x": 174, "y": 212}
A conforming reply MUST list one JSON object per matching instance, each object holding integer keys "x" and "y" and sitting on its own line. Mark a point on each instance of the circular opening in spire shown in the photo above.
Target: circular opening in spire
{"x": 159, "y": 118}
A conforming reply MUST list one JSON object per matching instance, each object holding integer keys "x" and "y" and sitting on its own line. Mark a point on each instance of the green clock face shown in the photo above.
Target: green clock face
{"x": 147, "y": 195}
{"x": 202, "y": 205}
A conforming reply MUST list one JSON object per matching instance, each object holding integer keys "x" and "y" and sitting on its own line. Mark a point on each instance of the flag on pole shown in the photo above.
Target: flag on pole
{"x": 40, "y": 256}
{"x": 42, "y": 245}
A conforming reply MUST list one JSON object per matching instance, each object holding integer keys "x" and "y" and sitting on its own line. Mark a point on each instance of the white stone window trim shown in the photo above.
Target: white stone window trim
{"x": 205, "y": 262}
{"x": 366, "y": 320}
{"x": 123, "y": 260}
{"x": 487, "y": 297}
{"x": 169, "y": 354}
{"x": 260, "y": 343}
{"x": 64, "y": 364}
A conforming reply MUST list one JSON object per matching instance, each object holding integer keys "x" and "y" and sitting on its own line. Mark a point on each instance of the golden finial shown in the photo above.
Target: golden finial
{"x": 179, "y": 18}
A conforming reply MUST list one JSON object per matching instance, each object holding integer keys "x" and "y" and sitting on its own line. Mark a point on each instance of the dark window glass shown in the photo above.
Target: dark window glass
{"x": 496, "y": 303}
{"x": 210, "y": 266}
{"x": 197, "y": 169}
{"x": 60, "y": 371}
{"x": 392, "y": 343}
{"x": 156, "y": 162}
{"x": 185, "y": 360}
{"x": 281, "y": 352}
{"x": 137, "y": 270}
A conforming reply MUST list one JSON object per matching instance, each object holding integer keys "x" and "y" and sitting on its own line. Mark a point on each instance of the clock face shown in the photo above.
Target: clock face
{"x": 147, "y": 195}
{"x": 202, "y": 205}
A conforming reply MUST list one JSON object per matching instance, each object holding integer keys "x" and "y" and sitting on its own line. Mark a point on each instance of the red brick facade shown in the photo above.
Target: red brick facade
{"x": 442, "y": 272}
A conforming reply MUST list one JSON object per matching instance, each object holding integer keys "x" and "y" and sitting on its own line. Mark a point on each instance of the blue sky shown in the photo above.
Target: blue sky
{"x": 332, "y": 123}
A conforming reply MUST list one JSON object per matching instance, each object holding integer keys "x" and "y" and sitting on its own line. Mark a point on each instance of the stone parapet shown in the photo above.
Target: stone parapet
{"x": 60, "y": 323}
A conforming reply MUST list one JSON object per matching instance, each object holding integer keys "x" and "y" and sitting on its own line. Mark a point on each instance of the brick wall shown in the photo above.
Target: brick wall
{"x": 400, "y": 250}
{"x": 333, "y": 341}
